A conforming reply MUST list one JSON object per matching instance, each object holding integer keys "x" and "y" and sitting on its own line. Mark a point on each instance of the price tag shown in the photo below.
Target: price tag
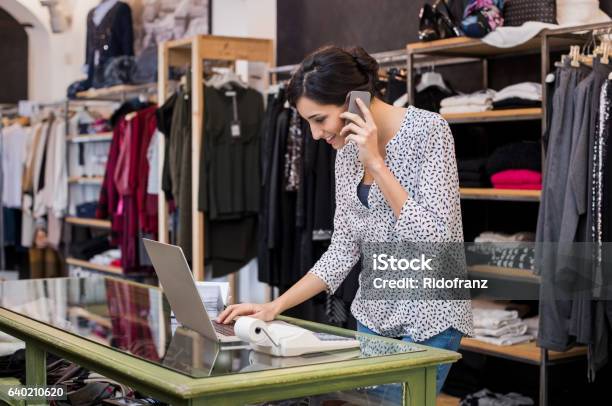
{"x": 235, "y": 126}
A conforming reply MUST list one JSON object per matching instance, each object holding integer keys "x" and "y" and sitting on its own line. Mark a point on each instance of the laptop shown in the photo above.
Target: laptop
{"x": 179, "y": 286}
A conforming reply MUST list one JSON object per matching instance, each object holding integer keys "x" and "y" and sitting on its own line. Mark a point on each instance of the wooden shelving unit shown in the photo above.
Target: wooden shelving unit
{"x": 495, "y": 116}
{"x": 475, "y": 50}
{"x": 497, "y": 272}
{"x": 101, "y": 137}
{"x": 87, "y": 222}
{"x": 114, "y": 270}
{"x": 86, "y": 180}
{"x": 194, "y": 52}
{"x": 500, "y": 194}
{"x": 527, "y": 352}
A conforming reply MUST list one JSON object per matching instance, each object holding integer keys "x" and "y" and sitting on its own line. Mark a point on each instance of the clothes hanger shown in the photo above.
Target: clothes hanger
{"x": 429, "y": 79}
{"x": 574, "y": 51}
{"x": 605, "y": 48}
{"x": 227, "y": 77}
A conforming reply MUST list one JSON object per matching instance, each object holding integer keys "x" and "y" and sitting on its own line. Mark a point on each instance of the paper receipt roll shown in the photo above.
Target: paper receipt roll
{"x": 251, "y": 330}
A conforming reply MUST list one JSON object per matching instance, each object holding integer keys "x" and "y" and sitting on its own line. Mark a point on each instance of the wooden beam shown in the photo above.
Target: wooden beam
{"x": 162, "y": 94}
{"x": 197, "y": 107}
{"x": 179, "y": 57}
{"x": 232, "y": 49}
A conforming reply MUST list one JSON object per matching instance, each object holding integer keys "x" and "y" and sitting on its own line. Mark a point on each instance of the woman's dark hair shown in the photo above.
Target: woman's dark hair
{"x": 328, "y": 74}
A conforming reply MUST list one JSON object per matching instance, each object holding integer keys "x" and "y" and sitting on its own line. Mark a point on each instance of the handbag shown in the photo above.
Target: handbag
{"x": 517, "y": 12}
{"x": 480, "y": 17}
{"x": 119, "y": 70}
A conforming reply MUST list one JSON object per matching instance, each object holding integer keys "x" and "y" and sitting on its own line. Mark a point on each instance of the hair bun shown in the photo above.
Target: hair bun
{"x": 365, "y": 63}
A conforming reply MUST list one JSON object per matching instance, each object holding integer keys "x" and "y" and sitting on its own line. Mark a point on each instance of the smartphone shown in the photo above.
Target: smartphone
{"x": 352, "y": 103}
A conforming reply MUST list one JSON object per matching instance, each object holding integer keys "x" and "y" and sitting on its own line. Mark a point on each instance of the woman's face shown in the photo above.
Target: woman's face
{"x": 324, "y": 119}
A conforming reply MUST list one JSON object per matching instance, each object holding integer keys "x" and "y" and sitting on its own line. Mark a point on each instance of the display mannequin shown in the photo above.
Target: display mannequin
{"x": 102, "y": 9}
{"x": 110, "y": 34}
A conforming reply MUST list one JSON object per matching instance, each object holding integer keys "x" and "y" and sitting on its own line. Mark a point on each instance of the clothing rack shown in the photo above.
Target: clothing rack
{"x": 119, "y": 93}
{"x": 385, "y": 59}
{"x": 4, "y": 110}
{"x": 578, "y": 35}
{"x": 388, "y": 59}
{"x": 196, "y": 52}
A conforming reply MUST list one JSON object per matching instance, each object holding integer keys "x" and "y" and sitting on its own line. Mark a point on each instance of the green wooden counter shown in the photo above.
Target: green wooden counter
{"x": 179, "y": 366}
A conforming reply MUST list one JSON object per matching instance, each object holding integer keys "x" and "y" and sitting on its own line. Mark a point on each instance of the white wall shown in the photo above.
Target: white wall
{"x": 56, "y": 59}
{"x": 247, "y": 18}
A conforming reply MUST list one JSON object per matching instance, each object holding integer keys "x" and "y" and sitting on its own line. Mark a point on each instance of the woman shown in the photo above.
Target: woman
{"x": 396, "y": 180}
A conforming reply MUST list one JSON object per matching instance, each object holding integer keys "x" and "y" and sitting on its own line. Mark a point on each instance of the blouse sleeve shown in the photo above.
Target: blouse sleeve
{"x": 433, "y": 212}
{"x": 343, "y": 253}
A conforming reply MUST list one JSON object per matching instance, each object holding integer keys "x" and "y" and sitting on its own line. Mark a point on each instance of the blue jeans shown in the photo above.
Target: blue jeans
{"x": 449, "y": 339}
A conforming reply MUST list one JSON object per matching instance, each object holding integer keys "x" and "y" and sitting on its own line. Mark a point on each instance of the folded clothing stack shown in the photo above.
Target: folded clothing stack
{"x": 106, "y": 258}
{"x": 9, "y": 344}
{"x": 485, "y": 397}
{"x": 532, "y": 325}
{"x": 502, "y": 250}
{"x": 472, "y": 173}
{"x": 500, "y": 327}
{"x": 491, "y": 236}
{"x": 516, "y": 166}
{"x": 86, "y": 249}
{"x": 517, "y": 179}
{"x": 87, "y": 210}
{"x": 521, "y": 95}
{"x": 468, "y": 103}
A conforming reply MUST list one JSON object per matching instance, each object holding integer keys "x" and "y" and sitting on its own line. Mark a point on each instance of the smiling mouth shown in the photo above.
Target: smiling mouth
{"x": 330, "y": 139}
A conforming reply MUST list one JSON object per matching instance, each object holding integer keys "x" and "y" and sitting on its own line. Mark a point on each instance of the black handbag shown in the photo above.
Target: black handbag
{"x": 119, "y": 70}
{"x": 517, "y": 12}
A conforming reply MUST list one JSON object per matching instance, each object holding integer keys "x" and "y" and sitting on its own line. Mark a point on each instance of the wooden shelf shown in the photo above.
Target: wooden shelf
{"x": 497, "y": 272}
{"x": 83, "y": 180}
{"x": 86, "y": 314}
{"x": 87, "y": 222}
{"x": 500, "y": 194}
{"x": 495, "y": 116}
{"x": 115, "y": 270}
{"x": 476, "y": 48}
{"x": 526, "y": 352}
{"x": 101, "y": 137}
{"x": 447, "y": 400}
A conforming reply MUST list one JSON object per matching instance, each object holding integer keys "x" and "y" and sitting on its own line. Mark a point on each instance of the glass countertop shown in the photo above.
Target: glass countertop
{"x": 135, "y": 319}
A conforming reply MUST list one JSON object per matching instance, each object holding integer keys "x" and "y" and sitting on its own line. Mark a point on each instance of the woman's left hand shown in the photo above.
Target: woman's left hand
{"x": 364, "y": 134}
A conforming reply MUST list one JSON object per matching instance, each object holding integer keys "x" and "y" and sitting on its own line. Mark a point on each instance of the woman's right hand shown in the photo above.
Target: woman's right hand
{"x": 266, "y": 311}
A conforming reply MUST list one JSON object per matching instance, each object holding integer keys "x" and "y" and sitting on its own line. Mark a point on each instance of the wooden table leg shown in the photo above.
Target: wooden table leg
{"x": 36, "y": 369}
{"x": 420, "y": 390}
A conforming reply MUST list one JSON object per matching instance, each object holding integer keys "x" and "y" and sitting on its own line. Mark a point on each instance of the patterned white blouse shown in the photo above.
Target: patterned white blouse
{"x": 422, "y": 157}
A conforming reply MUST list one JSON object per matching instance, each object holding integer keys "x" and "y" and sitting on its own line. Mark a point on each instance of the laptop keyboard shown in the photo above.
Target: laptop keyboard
{"x": 224, "y": 329}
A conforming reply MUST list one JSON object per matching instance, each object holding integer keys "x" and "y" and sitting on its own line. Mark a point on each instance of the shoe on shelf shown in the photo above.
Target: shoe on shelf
{"x": 445, "y": 22}
{"x": 427, "y": 24}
